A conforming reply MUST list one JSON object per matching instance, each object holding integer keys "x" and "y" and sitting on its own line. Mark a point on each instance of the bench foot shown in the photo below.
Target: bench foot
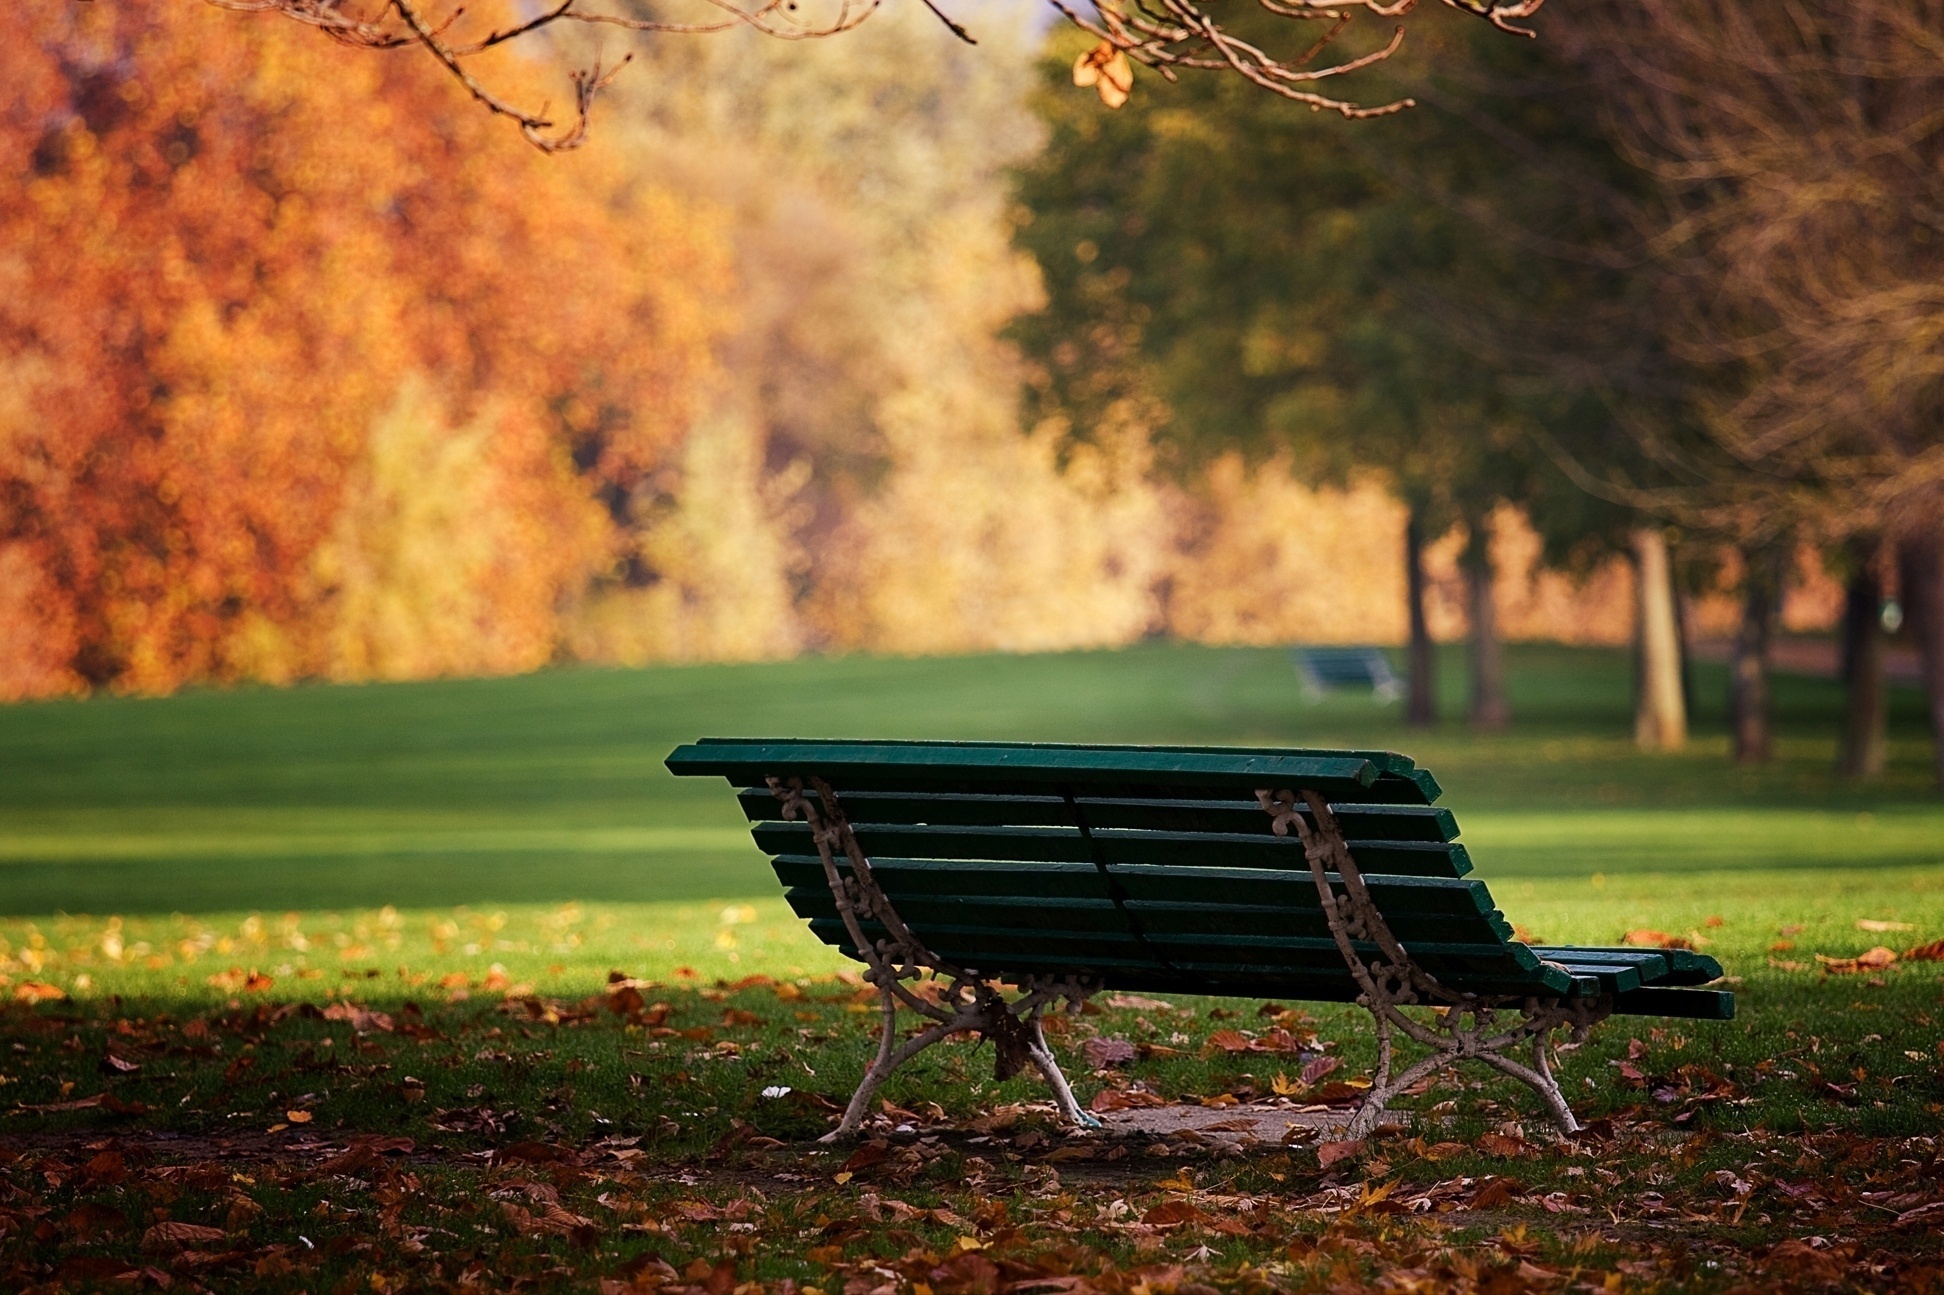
{"x": 1390, "y": 980}
{"x": 975, "y": 1018}
{"x": 973, "y": 1004}
{"x": 1470, "y": 1046}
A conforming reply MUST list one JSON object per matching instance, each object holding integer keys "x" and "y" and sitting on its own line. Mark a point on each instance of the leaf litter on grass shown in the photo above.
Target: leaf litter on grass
{"x": 609, "y": 1138}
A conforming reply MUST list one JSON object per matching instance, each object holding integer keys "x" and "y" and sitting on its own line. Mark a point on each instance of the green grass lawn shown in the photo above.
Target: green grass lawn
{"x": 489, "y": 851}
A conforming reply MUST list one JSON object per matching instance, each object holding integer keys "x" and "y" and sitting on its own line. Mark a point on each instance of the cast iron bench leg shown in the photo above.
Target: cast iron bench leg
{"x": 1390, "y": 980}
{"x": 971, "y": 1006}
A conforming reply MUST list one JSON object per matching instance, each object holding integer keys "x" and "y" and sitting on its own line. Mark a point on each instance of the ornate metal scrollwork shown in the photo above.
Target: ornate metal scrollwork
{"x": 1391, "y": 980}
{"x": 971, "y": 1003}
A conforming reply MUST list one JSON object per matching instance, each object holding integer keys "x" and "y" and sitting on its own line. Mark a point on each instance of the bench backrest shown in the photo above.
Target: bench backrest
{"x": 1155, "y": 868}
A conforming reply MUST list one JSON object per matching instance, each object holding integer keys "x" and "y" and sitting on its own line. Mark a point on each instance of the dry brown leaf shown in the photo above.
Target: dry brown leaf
{"x": 1102, "y": 1053}
{"x": 1499, "y": 1144}
{"x": 1869, "y": 960}
{"x": 1173, "y": 1214}
{"x": 1329, "y": 1153}
{"x": 171, "y": 1234}
{"x": 1653, "y": 939}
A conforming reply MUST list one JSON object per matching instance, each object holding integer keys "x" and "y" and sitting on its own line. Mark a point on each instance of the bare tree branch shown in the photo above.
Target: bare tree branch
{"x": 1166, "y": 35}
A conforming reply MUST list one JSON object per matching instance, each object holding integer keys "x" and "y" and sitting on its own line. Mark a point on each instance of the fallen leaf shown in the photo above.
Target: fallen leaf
{"x": 1656, "y": 939}
{"x": 1124, "y": 1099}
{"x": 173, "y": 1234}
{"x": 1869, "y": 960}
{"x": 1932, "y": 952}
{"x": 38, "y": 991}
{"x": 1103, "y": 1053}
{"x": 1329, "y": 1153}
{"x": 1137, "y": 1003}
{"x": 88, "y": 1221}
{"x": 1494, "y": 1193}
{"x": 1499, "y": 1144}
{"x": 298, "y": 1117}
{"x": 536, "y": 1153}
{"x": 1173, "y": 1214}
{"x": 1879, "y": 925}
{"x": 1314, "y": 1072}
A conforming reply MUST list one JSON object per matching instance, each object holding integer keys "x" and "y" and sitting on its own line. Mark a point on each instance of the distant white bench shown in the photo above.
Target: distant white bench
{"x": 1325, "y": 670}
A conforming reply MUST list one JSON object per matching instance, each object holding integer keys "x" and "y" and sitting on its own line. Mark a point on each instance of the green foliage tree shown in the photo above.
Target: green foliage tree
{"x": 1240, "y": 274}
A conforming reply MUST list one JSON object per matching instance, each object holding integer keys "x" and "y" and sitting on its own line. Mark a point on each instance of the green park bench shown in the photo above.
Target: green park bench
{"x": 1023, "y": 876}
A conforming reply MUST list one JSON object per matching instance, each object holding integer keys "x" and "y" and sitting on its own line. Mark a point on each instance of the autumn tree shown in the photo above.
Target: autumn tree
{"x": 1796, "y": 163}
{"x": 231, "y": 259}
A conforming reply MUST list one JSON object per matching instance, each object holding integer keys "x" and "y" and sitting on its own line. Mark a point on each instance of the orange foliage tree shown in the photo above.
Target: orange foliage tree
{"x": 227, "y": 254}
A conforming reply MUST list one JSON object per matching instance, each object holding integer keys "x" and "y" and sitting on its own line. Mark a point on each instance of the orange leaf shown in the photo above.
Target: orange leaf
{"x": 1107, "y": 70}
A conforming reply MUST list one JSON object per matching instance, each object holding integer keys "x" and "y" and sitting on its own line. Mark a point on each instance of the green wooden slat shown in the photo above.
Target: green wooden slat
{"x": 1392, "y": 894}
{"x": 985, "y": 948}
{"x": 1021, "y": 844}
{"x": 1401, "y": 899}
{"x": 963, "y": 809}
{"x": 925, "y": 876}
{"x": 1675, "y": 966}
{"x": 1112, "y": 846}
{"x": 1145, "y": 771}
{"x": 1411, "y": 858}
{"x": 1647, "y": 965}
{"x": 1694, "y": 1004}
{"x": 1188, "y": 918}
{"x": 921, "y": 913}
{"x": 1357, "y": 821}
{"x": 1613, "y": 977}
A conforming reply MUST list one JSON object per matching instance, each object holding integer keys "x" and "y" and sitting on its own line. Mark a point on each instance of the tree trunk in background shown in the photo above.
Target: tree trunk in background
{"x": 1921, "y": 575}
{"x": 1684, "y": 635}
{"x": 1862, "y": 751}
{"x": 1748, "y": 685}
{"x": 1421, "y": 700}
{"x": 1660, "y": 712}
{"x": 1488, "y": 705}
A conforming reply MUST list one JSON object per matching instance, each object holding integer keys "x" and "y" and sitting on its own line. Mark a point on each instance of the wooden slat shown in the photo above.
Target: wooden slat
{"x": 1021, "y": 844}
{"x": 985, "y": 948}
{"x": 1358, "y": 821}
{"x": 1191, "y": 919}
{"x": 1116, "y": 845}
{"x": 1393, "y": 895}
{"x": 955, "y": 766}
{"x": 1676, "y": 966}
{"x": 1613, "y": 977}
{"x": 904, "y": 877}
{"x": 925, "y": 912}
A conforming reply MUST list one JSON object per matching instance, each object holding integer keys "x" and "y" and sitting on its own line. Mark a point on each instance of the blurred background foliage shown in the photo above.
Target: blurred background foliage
{"x": 310, "y": 371}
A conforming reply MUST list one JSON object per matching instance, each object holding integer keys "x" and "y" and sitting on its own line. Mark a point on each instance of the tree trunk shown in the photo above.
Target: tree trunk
{"x": 1421, "y": 702}
{"x": 1862, "y": 751}
{"x": 1748, "y": 687}
{"x": 1921, "y": 575}
{"x": 1660, "y": 712}
{"x": 1488, "y": 705}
